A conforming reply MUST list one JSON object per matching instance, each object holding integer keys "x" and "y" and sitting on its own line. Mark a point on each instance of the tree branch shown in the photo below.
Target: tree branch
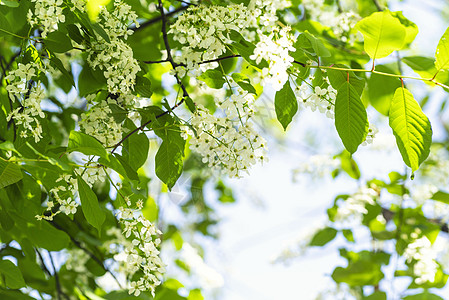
{"x": 185, "y": 94}
{"x": 157, "y": 19}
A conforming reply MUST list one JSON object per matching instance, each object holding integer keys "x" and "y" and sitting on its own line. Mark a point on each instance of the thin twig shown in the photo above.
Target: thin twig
{"x": 159, "y": 18}
{"x": 56, "y": 276}
{"x": 379, "y": 8}
{"x": 88, "y": 252}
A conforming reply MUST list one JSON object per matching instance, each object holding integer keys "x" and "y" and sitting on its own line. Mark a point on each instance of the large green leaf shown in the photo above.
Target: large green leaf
{"x": 285, "y": 105}
{"x": 411, "y": 128}
{"x": 85, "y": 144}
{"x": 423, "y": 296}
{"x": 58, "y": 42}
{"x": 442, "y": 52}
{"x": 169, "y": 163}
{"x": 359, "y": 273}
{"x": 135, "y": 148}
{"x": 10, "y": 173}
{"x": 89, "y": 203}
{"x": 43, "y": 235}
{"x": 382, "y": 34}
{"x": 351, "y": 120}
{"x": 11, "y": 274}
{"x": 381, "y": 89}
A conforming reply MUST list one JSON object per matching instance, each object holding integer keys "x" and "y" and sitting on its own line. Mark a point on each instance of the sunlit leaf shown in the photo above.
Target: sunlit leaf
{"x": 382, "y": 34}
{"x": 411, "y": 128}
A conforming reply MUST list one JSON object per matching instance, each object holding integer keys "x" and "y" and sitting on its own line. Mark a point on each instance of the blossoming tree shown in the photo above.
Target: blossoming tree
{"x": 91, "y": 89}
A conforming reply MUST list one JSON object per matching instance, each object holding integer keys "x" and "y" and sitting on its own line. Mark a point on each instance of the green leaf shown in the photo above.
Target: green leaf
{"x": 381, "y": 89}
{"x": 377, "y": 295}
{"x": 13, "y": 276}
{"x": 423, "y": 296}
{"x": 244, "y": 82}
{"x": 143, "y": 86}
{"x": 169, "y": 163}
{"x": 441, "y": 196}
{"x": 351, "y": 120}
{"x": 423, "y": 66}
{"x": 442, "y": 52}
{"x": 246, "y": 49}
{"x": 74, "y": 33}
{"x": 43, "y": 235}
{"x": 89, "y": 204}
{"x": 10, "y": 3}
{"x": 213, "y": 79}
{"x": 349, "y": 165}
{"x": 90, "y": 81}
{"x": 10, "y": 173}
{"x": 101, "y": 32}
{"x": 58, "y": 42}
{"x": 56, "y": 62}
{"x": 323, "y": 236}
{"x": 285, "y": 105}
{"x": 411, "y": 30}
{"x": 359, "y": 273}
{"x": 382, "y": 34}
{"x": 135, "y": 148}
{"x": 317, "y": 45}
{"x": 411, "y": 128}
{"x": 85, "y": 144}
{"x": 347, "y": 233}
{"x": 338, "y": 77}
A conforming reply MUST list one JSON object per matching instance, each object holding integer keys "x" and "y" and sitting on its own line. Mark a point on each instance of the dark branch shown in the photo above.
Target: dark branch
{"x": 158, "y": 19}
{"x": 300, "y": 63}
{"x": 170, "y": 59}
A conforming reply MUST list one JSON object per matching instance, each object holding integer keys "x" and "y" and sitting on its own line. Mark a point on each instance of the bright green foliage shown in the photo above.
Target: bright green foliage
{"x": 323, "y": 237}
{"x": 383, "y": 34}
{"x": 213, "y": 78}
{"x": 10, "y": 173}
{"x": 442, "y": 52}
{"x": 85, "y": 144}
{"x": 380, "y": 98}
{"x": 411, "y": 128}
{"x": 169, "y": 163}
{"x": 89, "y": 203}
{"x": 351, "y": 120}
{"x": 285, "y": 105}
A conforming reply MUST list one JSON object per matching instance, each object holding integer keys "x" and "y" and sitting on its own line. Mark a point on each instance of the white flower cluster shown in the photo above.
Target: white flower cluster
{"x": 47, "y": 14}
{"x": 116, "y": 24}
{"x": 30, "y": 96}
{"x": 228, "y": 143}
{"x": 66, "y": 193}
{"x": 142, "y": 254}
{"x": 372, "y": 131}
{"x": 341, "y": 23}
{"x": 265, "y": 11}
{"x": 116, "y": 58}
{"x": 99, "y": 123}
{"x": 321, "y": 98}
{"x": 423, "y": 256}
{"x": 205, "y": 31}
{"x": 352, "y": 209}
{"x": 274, "y": 49}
